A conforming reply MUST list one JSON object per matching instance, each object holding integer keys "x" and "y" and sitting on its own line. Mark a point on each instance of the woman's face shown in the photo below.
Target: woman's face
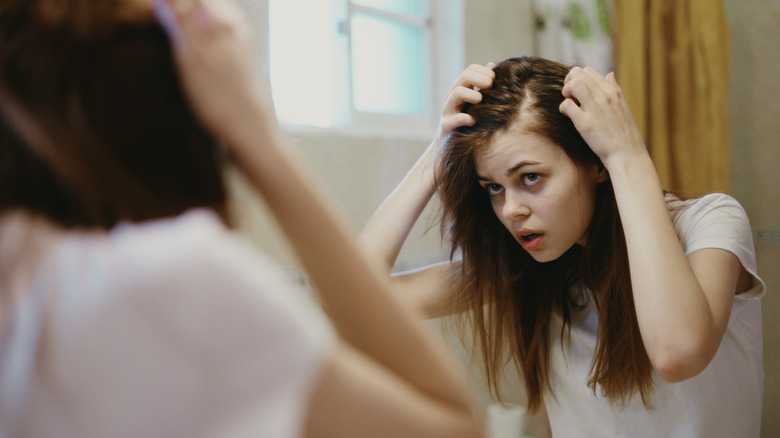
{"x": 540, "y": 195}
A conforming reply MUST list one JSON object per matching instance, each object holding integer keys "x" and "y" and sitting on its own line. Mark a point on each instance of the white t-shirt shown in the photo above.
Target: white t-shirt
{"x": 170, "y": 328}
{"x": 724, "y": 400}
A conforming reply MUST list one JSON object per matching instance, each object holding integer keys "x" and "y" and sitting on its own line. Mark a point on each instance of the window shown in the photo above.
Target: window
{"x": 363, "y": 65}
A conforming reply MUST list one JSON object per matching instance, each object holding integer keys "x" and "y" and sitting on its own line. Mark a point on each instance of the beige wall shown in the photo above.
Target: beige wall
{"x": 360, "y": 172}
{"x": 755, "y": 179}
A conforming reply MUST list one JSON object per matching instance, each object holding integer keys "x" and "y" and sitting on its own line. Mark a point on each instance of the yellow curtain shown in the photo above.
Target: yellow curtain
{"x": 672, "y": 59}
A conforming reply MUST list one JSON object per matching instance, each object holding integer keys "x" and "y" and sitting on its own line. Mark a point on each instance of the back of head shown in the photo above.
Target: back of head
{"x": 95, "y": 128}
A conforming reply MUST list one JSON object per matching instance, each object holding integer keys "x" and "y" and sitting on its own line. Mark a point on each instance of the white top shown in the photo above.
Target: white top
{"x": 724, "y": 400}
{"x": 170, "y": 328}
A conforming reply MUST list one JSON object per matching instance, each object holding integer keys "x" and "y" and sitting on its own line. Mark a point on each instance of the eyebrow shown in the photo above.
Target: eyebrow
{"x": 511, "y": 171}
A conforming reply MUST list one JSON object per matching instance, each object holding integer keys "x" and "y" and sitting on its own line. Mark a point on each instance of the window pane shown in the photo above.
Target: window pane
{"x": 301, "y": 52}
{"x": 388, "y": 70}
{"x": 406, "y": 7}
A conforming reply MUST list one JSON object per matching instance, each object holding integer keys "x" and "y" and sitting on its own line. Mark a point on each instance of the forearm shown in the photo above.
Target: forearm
{"x": 674, "y": 315}
{"x": 390, "y": 225}
{"x": 358, "y": 298}
{"x": 682, "y": 307}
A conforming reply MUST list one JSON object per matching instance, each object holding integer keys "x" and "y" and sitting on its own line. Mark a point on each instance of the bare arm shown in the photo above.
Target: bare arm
{"x": 388, "y": 228}
{"x": 387, "y": 360}
{"x": 682, "y": 303}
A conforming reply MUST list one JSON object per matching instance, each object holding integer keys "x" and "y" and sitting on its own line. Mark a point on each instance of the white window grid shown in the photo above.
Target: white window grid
{"x": 443, "y": 30}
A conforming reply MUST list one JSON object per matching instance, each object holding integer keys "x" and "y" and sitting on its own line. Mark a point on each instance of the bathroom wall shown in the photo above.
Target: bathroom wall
{"x": 755, "y": 152}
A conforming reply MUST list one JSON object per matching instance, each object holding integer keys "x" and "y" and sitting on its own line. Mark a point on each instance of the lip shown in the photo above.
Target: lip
{"x": 529, "y": 244}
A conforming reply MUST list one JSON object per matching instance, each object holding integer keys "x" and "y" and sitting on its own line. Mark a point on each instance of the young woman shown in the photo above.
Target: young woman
{"x": 628, "y": 312}
{"x": 128, "y": 307}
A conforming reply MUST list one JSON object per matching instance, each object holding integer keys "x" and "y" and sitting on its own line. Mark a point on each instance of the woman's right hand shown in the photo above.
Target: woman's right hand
{"x": 217, "y": 63}
{"x": 465, "y": 90}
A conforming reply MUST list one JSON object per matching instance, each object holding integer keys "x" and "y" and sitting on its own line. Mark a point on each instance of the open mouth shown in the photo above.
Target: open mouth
{"x": 531, "y": 241}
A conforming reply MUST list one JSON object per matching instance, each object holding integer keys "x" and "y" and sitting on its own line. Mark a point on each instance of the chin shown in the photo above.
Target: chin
{"x": 543, "y": 257}
{"x": 546, "y": 255}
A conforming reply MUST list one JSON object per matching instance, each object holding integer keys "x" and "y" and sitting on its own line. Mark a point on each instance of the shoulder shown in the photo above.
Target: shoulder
{"x": 193, "y": 305}
{"x": 183, "y": 240}
{"x": 195, "y": 256}
{"x": 709, "y": 203}
{"x": 712, "y": 214}
{"x": 192, "y": 276}
{"x": 717, "y": 220}
{"x": 195, "y": 251}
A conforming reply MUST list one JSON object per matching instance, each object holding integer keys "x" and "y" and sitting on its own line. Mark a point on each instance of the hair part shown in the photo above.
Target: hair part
{"x": 505, "y": 298}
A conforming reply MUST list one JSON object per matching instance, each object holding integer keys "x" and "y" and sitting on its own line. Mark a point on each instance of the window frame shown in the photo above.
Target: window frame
{"x": 445, "y": 61}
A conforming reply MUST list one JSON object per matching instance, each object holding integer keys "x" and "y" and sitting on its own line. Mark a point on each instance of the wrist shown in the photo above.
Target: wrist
{"x": 634, "y": 173}
{"x": 627, "y": 162}
{"x": 253, "y": 126}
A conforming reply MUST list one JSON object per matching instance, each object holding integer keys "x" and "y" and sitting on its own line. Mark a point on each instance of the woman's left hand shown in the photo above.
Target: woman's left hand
{"x": 600, "y": 113}
{"x": 682, "y": 302}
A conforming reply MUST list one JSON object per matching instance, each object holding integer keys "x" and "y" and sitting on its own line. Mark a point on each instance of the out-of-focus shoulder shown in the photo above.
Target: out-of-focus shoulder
{"x": 196, "y": 259}
{"x": 710, "y": 203}
{"x": 193, "y": 253}
{"x": 193, "y": 238}
{"x": 194, "y": 227}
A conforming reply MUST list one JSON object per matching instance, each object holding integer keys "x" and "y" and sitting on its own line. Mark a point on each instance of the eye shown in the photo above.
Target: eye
{"x": 531, "y": 179}
{"x": 493, "y": 189}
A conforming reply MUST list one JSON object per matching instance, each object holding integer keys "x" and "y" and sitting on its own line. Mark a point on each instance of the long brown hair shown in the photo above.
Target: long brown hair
{"x": 505, "y": 296}
{"x": 94, "y": 127}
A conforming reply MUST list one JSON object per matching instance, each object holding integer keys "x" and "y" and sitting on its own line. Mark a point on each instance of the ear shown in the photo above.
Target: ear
{"x": 602, "y": 174}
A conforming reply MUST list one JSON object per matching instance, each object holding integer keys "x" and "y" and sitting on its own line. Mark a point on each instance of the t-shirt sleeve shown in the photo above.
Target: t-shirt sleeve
{"x": 719, "y": 221}
{"x": 260, "y": 337}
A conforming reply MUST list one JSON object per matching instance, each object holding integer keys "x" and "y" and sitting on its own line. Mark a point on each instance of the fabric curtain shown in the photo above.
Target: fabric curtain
{"x": 672, "y": 59}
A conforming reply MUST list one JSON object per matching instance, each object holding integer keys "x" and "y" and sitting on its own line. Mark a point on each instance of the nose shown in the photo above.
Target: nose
{"x": 515, "y": 207}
